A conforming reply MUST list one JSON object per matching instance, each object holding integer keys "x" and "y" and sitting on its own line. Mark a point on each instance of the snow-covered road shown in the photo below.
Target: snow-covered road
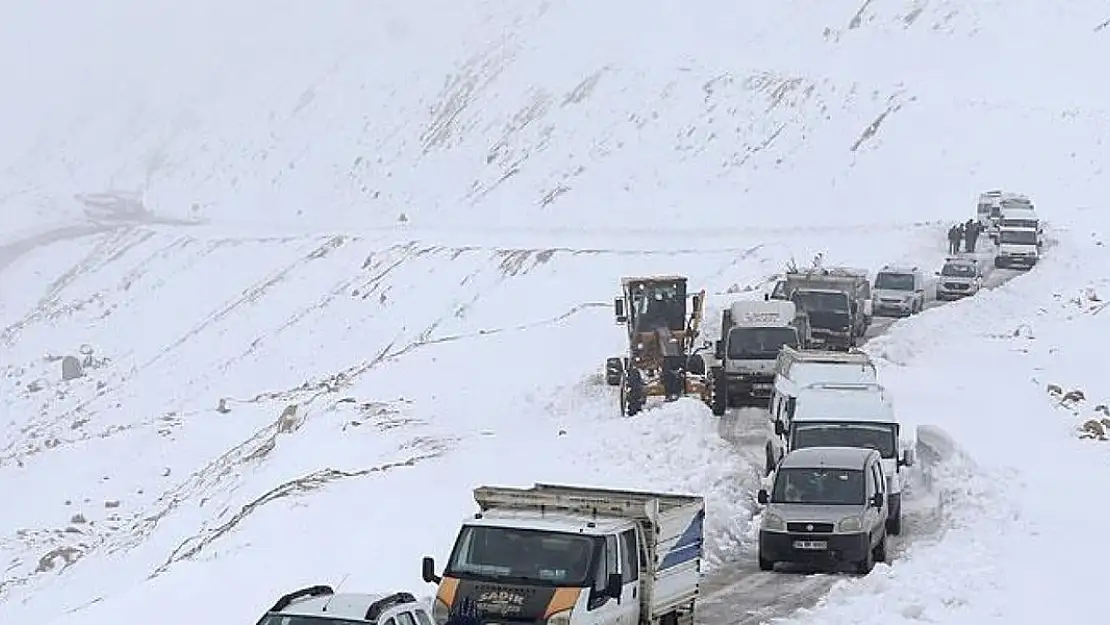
{"x": 741, "y": 594}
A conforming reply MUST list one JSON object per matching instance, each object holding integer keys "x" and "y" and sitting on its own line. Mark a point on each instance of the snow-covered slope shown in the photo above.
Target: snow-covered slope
{"x": 377, "y": 368}
{"x": 562, "y": 113}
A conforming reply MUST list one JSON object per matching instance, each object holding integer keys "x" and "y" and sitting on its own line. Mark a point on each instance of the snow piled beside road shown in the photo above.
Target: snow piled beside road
{"x": 1024, "y": 500}
{"x": 372, "y": 381}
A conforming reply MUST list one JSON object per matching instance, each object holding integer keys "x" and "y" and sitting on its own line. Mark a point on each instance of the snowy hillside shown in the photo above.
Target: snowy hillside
{"x": 335, "y": 264}
{"x": 560, "y": 114}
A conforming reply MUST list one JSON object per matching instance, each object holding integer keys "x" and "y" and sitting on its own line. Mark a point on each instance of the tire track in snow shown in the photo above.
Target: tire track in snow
{"x": 741, "y": 594}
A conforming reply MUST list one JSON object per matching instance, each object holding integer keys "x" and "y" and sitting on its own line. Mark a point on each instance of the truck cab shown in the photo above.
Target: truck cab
{"x": 1017, "y": 247}
{"x": 850, "y": 415}
{"x": 1023, "y": 218}
{"x": 833, "y": 316}
{"x": 753, "y": 334}
{"x": 563, "y": 555}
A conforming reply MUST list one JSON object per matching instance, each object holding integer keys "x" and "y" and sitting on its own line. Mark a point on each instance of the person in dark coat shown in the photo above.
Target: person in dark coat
{"x": 955, "y": 233}
{"x": 465, "y": 613}
{"x": 971, "y": 235}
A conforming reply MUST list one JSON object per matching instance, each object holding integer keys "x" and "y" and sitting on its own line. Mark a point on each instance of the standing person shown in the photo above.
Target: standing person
{"x": 971, "y": 235}
{"x": 953, "y": 239}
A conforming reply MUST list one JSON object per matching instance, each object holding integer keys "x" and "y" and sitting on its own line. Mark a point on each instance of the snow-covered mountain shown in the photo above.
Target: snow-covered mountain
{"x": 326, "y": 268}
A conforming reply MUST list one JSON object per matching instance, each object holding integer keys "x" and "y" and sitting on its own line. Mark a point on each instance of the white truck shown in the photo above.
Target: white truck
{"x": 850, "y": 415}
{"x": 565, "y": 555}
{"x": 1017, "y": 247}
{"x": 752, "y": 334}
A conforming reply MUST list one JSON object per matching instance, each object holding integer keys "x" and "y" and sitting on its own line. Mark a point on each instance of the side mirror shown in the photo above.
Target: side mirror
{"x": 878, "y": 500}
{"x": 907, "y": 458}
{"x": 719, "y": 350}
{"x": 766, "y": 297}
{"x": 613, "y": 586}
{"x": 429, "y": 570}
{"x": 762, "y": 497}
{"x": 779, "y": 428}
{"x": 936, "y": 273}
{"x": 697, "y": 301}
{"x": 618, "y": 310}
{"x": 866, "y": 308}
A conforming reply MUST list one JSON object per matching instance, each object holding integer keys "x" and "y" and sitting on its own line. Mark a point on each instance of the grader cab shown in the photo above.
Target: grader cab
{"x": 662, "y": 329}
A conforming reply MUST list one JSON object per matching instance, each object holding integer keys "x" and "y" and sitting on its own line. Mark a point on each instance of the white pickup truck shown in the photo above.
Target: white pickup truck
{"x": 564, "y": 555}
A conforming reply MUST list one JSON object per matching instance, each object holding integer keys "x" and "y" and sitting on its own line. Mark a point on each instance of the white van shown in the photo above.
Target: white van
{"x": 796, "y": 369}
{"x": 1023, "y": 219}
{"x": 849, "y": 415}
{"x": 1017, "y": 247}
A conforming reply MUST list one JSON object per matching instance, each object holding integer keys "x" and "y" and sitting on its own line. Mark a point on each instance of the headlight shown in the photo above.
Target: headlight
{"x": 772, "y": 522}
{"x": 559, "y": 618}
{"x": 440, "y": 611}
{"x": 850, "y": 524}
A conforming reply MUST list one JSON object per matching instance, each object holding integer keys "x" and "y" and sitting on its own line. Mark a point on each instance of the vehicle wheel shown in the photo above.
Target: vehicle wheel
{"x": 718, "y": 383}
{"x": 695, "y": 365}
{"x": 894, "y": 524}
{"x": 632, "y": 392}
{"x": 864, "y": 567}
{"x": 880, "y": 550}
{"x": 614, "y": 370}
{"x": 765, "y": 564}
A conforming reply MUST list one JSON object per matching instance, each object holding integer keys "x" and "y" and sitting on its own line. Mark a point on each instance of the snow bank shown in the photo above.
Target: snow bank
{"x": 1025, "y": 490}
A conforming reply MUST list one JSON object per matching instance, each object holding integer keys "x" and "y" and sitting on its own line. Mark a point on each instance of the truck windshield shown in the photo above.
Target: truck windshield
{"x": 894, "y": 281}
{"x": 1018, "y": 237}
{"x": 822, "y": 300}
{"x": 818, "y": 486}
{"x": 1019, "y": 223}
{"x": 881, "y": 437}
{"x": 522, "y": 556}
{"x": 288, "y": 619}
{"x": 759, "y": 343}
{"x": 958, "y": 270}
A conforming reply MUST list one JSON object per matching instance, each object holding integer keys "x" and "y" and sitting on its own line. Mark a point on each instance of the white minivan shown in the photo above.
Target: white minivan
{"x": 849, "y": 415}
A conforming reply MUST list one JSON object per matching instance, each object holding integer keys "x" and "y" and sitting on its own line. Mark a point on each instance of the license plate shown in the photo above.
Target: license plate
{"x": 811, "y": 545}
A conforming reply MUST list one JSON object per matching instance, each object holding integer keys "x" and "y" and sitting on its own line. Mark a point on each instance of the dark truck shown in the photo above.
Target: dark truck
{"x": 836, "y": 300}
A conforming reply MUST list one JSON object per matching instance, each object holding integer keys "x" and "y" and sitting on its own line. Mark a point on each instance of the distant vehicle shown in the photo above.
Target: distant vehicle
{"x": 1022, "y": 218}
{"x": 830, "y": 414}
{"x": 564, "y": 555}
{"x": 827, "y": 505}
{"x": 899, "y": 291}
{"x": 837, "y": 301}
{"x": 959, "y": 278}
{"x": 1017, "y": 247}
{"x": 989, "y": 209}
{"x": 320, "y": 605}
{"x": 752, "y": 334}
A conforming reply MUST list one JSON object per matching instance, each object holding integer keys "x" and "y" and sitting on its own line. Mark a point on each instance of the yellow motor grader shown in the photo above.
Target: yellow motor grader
{"x": 662, "y": 331}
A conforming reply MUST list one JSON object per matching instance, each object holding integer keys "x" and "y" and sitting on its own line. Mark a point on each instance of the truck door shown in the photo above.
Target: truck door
{"x": 601, "y": 609}
{"x": 630, "y": 573}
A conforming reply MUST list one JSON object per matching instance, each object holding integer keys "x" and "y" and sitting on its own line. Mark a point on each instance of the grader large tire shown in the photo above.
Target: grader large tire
{"x": 632, "y": 392}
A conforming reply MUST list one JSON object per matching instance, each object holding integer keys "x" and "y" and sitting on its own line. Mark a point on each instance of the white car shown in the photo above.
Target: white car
{"x": 898, "y": 291}
{"x": 959, "y": 278}
{"x": 320, "y": 605}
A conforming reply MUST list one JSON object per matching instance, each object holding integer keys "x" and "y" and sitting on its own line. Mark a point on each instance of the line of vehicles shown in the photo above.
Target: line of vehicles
{"x": 1011, "y": 221}
{"x": 836, "y": 459}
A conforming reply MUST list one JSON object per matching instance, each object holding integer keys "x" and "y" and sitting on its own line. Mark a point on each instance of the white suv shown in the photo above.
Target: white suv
{"x": 319, "y": 605}
{"x": 898, "y": 291}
